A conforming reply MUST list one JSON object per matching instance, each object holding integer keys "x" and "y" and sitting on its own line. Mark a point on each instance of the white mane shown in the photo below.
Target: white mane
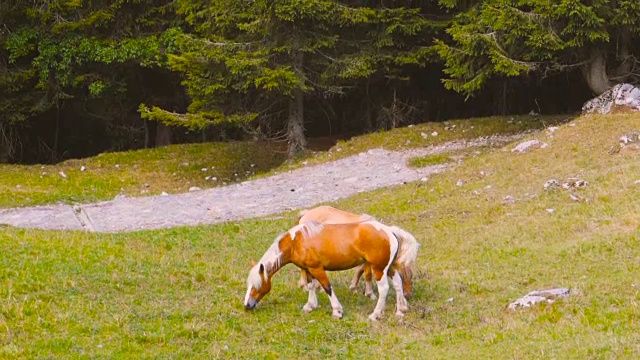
{"x": 307, "y": 229}
{"x": 270, "y": 260}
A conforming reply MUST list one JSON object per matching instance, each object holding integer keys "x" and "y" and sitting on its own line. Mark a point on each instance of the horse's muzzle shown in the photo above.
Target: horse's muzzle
{"x": 250, "y": 305}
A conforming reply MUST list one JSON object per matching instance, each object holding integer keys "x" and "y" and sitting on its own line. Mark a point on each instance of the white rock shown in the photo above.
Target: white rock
{"x": 524, "y": 146}
{"x": 459, "y": 183}
{"x": 424, "y": 135}
{"x": 164, "y": 193}
{"x": 83, "y": 168}
{"x": 552, "y": 129}
{"x": 625, "y": 95}
{"x": 204, "y": 169}
{"x": 435, "y": 133}
{"x": 551, "y": 210}
{"x": 551, "y": 183}
{"x": 63, "y": 174}
{"x": 536, "y": 297}
{"x": 426, "y": 178}
{"x": 194, "y": 188}
{"x": 117, "y": 166}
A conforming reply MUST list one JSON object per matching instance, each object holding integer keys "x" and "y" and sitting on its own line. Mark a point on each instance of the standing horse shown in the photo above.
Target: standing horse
{"x": 330, "y": 215}
{"x": 316, "y": 248}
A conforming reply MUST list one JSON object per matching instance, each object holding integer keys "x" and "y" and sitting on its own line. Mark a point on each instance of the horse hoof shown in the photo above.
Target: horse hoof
{"x": 374, "y": 317}
{"x": 337, "y": 314}
{"x": 372, "y": 296}
{"x": 308, "y": 308}
{"x": 353, "y": 288}
{"x": 399, "y": 314}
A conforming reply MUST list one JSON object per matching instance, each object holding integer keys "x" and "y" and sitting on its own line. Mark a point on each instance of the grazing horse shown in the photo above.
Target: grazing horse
{"x": 330, "y": 215}
{"x": 316, "y": 248}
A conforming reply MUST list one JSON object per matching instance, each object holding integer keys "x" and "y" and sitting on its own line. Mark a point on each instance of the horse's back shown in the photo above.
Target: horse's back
{"x": 330, "y": 215}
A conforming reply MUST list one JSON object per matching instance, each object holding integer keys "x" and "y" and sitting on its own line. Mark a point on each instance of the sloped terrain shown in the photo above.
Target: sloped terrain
{"x": 490, "y": 233}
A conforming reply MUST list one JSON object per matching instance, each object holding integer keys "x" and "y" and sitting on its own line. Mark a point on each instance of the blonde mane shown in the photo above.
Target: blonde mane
{"x": 272, "y": 258}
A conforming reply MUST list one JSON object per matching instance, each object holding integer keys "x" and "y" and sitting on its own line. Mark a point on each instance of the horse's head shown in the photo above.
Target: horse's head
{"x": 258, "y": 285}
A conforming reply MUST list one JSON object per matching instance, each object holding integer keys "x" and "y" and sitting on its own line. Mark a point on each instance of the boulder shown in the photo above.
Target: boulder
{"x": 622, "y": 97}
{"x": 535, "y": 297}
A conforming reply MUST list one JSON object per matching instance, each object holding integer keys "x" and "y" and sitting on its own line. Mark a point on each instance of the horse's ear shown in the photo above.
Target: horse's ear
{"x": 253, "y": 263}
{"x": 261, "y": 270}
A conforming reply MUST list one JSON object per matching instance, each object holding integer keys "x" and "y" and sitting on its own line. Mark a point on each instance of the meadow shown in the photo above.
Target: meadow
{"x": 490, "y": 233}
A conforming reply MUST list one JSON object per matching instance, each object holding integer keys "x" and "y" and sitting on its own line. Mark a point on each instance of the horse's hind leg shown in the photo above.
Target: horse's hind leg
{"x": 356, "y": 278}
{"x": 368, "y": 283}
{"x": 312, "y": 303}
{"x": 322, "y": 278}
{"x": 401, "y": 301}
{"x": 303, "y": 279}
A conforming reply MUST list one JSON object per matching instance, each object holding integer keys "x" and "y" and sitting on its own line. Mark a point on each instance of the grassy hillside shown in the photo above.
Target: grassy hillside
{"x": 490, "y": 233}
{"x": 177, "y": 168}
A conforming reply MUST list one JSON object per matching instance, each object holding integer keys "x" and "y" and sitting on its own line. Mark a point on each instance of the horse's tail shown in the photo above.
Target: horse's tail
{"x": 408, "y": 249}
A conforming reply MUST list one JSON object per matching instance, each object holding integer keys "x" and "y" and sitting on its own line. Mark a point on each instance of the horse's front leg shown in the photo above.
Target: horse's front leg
{"x": 320, "y": 275}
{"x": 383, "y": 290}
{"x": 368, "y": 283}
{"x": 312, "y": 303}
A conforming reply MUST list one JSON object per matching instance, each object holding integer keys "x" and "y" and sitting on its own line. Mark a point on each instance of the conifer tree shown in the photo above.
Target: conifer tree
{"x": 512, "y": 38}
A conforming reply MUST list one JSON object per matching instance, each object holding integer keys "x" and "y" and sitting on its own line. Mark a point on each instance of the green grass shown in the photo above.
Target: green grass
{"x": 178, "y": 293}
{"x": 429, "y": 160}
{"x": 177, "y": 168}
{"x": 413, "y": 137}
{"x": 169, "y": 169}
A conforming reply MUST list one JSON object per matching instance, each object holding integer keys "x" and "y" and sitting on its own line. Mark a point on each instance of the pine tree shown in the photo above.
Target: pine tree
{"x": 512, "y": 38}
{"x": 242, "y": 57}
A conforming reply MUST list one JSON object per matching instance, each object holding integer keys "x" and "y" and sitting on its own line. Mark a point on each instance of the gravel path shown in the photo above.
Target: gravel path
{"x": 296, "y": 189}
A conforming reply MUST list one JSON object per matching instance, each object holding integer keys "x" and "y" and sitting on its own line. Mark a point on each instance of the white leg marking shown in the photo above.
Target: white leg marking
{"x": 335, "y": 304}
{"x": 312, "y": 303}
{"x": 401, "y": 301}
{"x": 383, "y": 290}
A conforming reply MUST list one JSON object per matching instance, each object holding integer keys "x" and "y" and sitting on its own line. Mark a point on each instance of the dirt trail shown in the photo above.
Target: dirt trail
{"x": 296, "y": 189}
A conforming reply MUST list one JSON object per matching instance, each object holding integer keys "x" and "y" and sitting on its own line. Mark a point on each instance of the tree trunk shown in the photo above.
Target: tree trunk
{"x": 595, "y": 72}
{"x": 163, "y": 135}
{"x": 624, "y": 69}
{"x": 146, "y": 134}
{"x": 368, "y": 123}
{"x": 296, "y": 139}
{"x": 56, "y": 135}
{"x": 295, "y": 128}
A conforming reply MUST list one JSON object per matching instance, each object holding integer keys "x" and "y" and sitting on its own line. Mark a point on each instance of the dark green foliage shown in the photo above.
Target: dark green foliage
{"x": 80, "y": 77}
{"x": 511, "y": 38}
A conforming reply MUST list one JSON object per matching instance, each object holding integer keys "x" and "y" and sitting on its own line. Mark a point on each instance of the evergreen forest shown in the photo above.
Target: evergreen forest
{"x": 78, "y": 78}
